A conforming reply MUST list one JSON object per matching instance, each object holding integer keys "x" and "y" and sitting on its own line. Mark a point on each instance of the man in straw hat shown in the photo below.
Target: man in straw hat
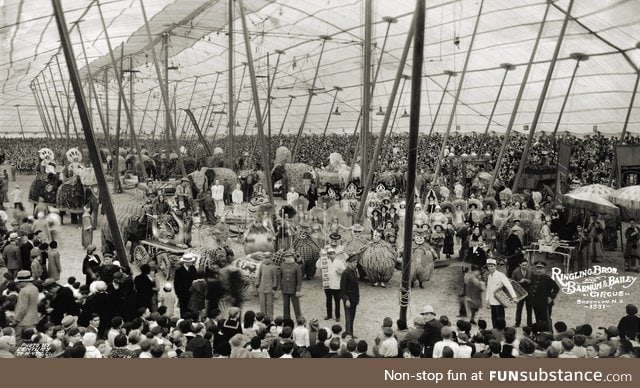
{"x": 542, "y": 293}
{"x": 496, "y": 281}
{"x": 26, "y": 312}
{"x": 184, "y": 277}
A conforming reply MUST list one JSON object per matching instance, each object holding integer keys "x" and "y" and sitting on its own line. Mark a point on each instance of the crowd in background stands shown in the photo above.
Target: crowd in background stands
{"x": 591, "y": 161}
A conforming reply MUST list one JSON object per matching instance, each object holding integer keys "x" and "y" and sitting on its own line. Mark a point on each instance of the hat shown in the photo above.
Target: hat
{"x": 116, "y": 262}
{"x": 335, "y": 236}
{"x": 357, "y": 228}
{"x": 49, "y": 283}
{"x": 331, "y": 250}
{"x": 17, "y": 186}
{"x": 91, "y": 248}
{"x": 24, "y": 276}
{"x": 184, "y": 179}
{"x": 419, "y": 321}
{"x": 188, "y": 257}
{"x": 107, "y": 254}
{"x": 288, "y": 254}
{"x": 352, "y": 259}
{"x": 492, "y": 262}
{"x": 540, "y": 264}
{"x": 427, "y": 309}
{"x": 69, "y": 322}
{"x": 13, "y": 236}
{"x": 612, "y": 331}
{"x": 631, "y": 309}
{"x": 167, "y": 287}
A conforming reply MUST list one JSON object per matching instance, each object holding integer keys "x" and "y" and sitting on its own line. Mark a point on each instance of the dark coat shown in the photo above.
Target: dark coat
{"x": 479, "y": 257}
{"x": 349, "y": 287}
{"x": 182, "y": 282}
{"x": 12, "y": 256}
{"x": 517, "y": 276}
{"x": 25, "y": 254}
{"x": 542, "y": 287}
{"x": 290, "y": 278}
{"x": 99, "y": 303}
{"x": 319, "y": 350}
{"x": 431, "y": 333}
{"x": 629, "y": 326}
{"x": 122, "y": 300}
{"x": 144, "y": 290}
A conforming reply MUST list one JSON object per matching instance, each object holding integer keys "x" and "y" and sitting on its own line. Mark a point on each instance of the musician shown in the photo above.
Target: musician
{"x": 495, "y": 281}
{"x": 543, "y": 291}
{"x": 523, "y": 275}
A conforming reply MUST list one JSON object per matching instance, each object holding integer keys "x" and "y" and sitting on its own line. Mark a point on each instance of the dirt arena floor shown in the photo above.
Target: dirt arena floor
{"x": 378, "y": 303}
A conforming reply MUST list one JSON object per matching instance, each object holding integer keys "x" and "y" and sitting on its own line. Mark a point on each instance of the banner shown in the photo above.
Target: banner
{"x": 628, "y": 165}
{"x": 562, "y": 177}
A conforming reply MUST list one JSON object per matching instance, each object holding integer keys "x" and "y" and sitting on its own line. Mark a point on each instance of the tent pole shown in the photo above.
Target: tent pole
{"x": 286, "y": 113}
{"x": 246, "y": 124}
{"x": 46, "y": 110}
{"x": 155, "y": 124}
{"x": 395, "y": 114}
{"x": 516, "y": 105}
{"x": 256, "y": 103}
{"x": 457, "y": 97}
{"x": 541, "y": 100}
{"x": 205, "y": 124}
{"x": 107, "y": 119}
{"x": 118, "y": 76}
{"x": 578, "y": 57}
{"x": 631, "y": 102}
{"x": 230, "y": 157}
{"x": 45, "y": 125}
{"x": 70, "y": 117}
{"x": 116, "y": 162}
{"x": 414, "y": 128}
{"x": 105, "y": 196}
{"x": 53, "y": 107}
{"x": 449, "y": 74}
{"x": 394, "y": 90}
{"x": 311, "y": 94}
{"x": 64, "y": 120}
{"x": 507, "y": 67}
{"x": 326, "y": 125}
{"x": 366, "y": 88}
{"x": 165, "y": 97}
{"x": 215, "y": 133}
{"x": 144, "y": 113}
{"x": 183, "y": 133}
{"x": 20, "y": 121}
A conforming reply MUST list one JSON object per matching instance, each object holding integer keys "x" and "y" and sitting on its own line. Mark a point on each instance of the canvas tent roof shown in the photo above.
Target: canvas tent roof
{"x": 607, "y": 30}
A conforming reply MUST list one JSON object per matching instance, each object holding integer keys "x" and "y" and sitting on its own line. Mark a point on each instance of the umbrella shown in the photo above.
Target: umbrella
{"x": 590, "y": 202}
{"x": 627, "y": 197}
{"x": 598, "y": 189}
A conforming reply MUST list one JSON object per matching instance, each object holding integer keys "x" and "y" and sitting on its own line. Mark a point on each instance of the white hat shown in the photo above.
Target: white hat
{"x": 13, "y": 236}
{"x": 188, "y": 257}
{"x": 427, "y": 309}
{"x": 492, "y": 262}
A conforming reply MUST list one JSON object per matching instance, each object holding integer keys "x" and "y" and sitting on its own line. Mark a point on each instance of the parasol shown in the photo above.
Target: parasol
{"x": 288, "y": 210}
{"x": 590, "y": 202}
{"x": 627, "y": 197}
{"x": 598, "y": 189}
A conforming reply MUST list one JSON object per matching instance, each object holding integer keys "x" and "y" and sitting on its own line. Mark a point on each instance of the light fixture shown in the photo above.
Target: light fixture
{"x": 336, "y": 112}
{"x": 405, "y": 114}
{"x": 457, "y": 128}
{"x": 237, "y": 123}
{"x": 255, "y": 124}
{"x": 380, "y": 112}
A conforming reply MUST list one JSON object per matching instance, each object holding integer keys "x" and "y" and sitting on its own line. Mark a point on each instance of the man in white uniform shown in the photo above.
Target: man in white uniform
{"x": 495, "y": 281}
{"x": 217, "y": 193}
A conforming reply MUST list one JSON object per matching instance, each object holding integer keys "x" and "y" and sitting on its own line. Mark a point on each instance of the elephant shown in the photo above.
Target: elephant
{"x": 392, "y": 180}
{"x": 45, "y": 186}
{"x": 292, "y": 175}
{"x": 216, "y": 160}
{"x": 226, "y": 176}
{"x": 71, "y": 195}
{"x": 133, "y": 164}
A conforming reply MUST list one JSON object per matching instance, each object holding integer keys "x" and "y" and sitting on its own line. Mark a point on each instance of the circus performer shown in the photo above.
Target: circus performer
{"x": 632, "y": 248}
{"x": 437, "y": 239}
{"x": 258, "y": 238}
{"x": 422, "y": 258}
{"x": 307, "y": 249}
{"x": 458, "y": 217}
{"x": 217, "y": 193}
{"x": 236, "y": 197}
{"x": 378, "y": 261}
{"x": 448, "y": 242}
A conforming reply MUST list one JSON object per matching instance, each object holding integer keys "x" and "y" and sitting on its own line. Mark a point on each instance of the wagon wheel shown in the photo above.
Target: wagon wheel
{"x": 140, "y": 255}
{"x": 164, "y": 264}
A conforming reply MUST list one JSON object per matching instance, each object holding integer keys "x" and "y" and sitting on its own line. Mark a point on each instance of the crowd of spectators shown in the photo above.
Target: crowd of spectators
{"x": 592, "y": 157}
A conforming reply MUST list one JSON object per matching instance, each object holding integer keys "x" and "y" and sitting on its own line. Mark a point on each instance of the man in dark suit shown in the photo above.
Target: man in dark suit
{"x": 185, "y": 275}
{"x": 542, "y": 293}
{"x": 319, "y": 349}
{"x": 523, "y": 275}
{"x": 513, "y": 251}
{"x": 432, "y": 328}
{"x": 12, "y": 255}
{"x": 290, "y": 285}
{"x": 476, "y": 255}
{"x": 25, "y": 251}
{"x": 350, "y": 292}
